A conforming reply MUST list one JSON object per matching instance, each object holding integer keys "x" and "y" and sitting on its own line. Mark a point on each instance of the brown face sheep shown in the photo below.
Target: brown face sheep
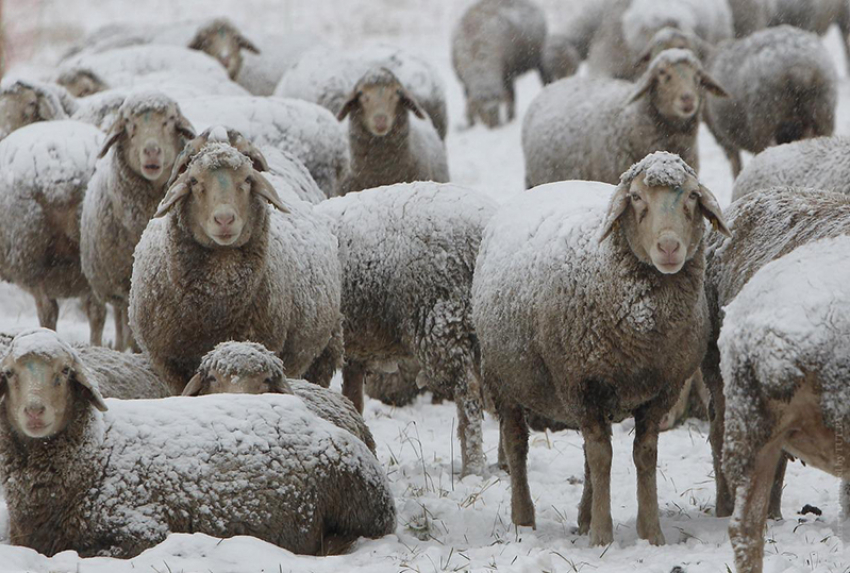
{"x": 23, "y": 102}
{"x": 81, "y": 82}
{"x": 224, "y": 42}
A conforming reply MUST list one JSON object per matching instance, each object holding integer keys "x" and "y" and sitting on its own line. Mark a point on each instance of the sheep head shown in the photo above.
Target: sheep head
{"x": 379, "y": 101}
{"x": 221, "y": 40}
{"x": 675, "y": 83}
{"x": 660, "y": 204}
{"x": 81, "y": 82}
{"x": 40, "y": 378}
{"x": 221, "y": 190}
{"x": 219, "y": 134}
{"x": 669, "y": 38}
{"x": 23, "y": 103}
{"x": 151, "y": 131}
{"x": 239, "y": 368}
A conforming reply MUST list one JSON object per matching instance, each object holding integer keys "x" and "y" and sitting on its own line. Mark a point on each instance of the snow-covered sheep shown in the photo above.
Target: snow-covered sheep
{"x": 668, "y": 38}
{"x": 260, "y": 73}
{"x": 777, "y": 220}
{"x": 817, "y": 163}
{"x": 80, "y": 82}
{"x": 389, "y": 146}
{"x": 782, "y": 86}
{"x": 631, "y": 275}
{"x": 44, "y": 170}
{"x": 326, "y": 76}
{"x": 408, "y": 253}
{"x": 594, "y": 129}
{"x": 123, "y": 194}
{"x": 23, "y": 102}
{"x": 815, "y": 16}
{"x": 217, "y": 263}
{"x": 397, "y": 388}
{"x": 251, "y": 368}
{"x": 629, "y": 25}
{"x": 306, "y": 130}
{"x": 785, "y": 355}
{"x": 582, "y": 27}
{"x": 750, "y": 16}
{"x": 494, "y": 42}
{"x": 115, "y": 483}
{"x": 560, "y": 57}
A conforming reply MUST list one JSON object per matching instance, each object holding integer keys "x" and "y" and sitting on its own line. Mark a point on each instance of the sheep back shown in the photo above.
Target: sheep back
{"x": 332, "y": 406}
{"x": 122, "y": 375}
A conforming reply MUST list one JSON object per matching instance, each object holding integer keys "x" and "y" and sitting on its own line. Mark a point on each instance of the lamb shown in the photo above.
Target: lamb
{"x": 778, "y": 220}
{"x": 23, "y": 102}
{"x": 250, "y": 368}
{"x": 595, "y": 128}
{"x": 783, "y": 354}
{"x": 819, "y": 163}
{"x": 560, "y": 57}
{"x": 815, "y": 16}
{"x": 115, "y": 483}
{"x": 326, "y": 76}
{"x": 46, "y": 167}
{"x": 408, "y": 253}
{"x": 216, "y": 264}
{"x": 123, "y": 195}
{"x": 388, "y": 147}
{"x": 494, "y": 42}
{"x": 80, "y": 82}
{"x": 782, "y": 86}
{"x": 630, "y": 24}
{"x": 644, "y": 321}
{"x": 303, "y": 129}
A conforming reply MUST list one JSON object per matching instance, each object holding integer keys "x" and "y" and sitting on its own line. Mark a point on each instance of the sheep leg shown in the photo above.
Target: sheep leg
{"x": 510, "y": 97}
{"x": 586, "y": 504}
{"x": 470, "y": 114}
{"x": 746, "y": 528}
{"x": 645, "y": 455}
{"x": 469, "y": 426}
{"x": 96, "y": 313}
{"x": 774, "y": 509}
{"x": 844, "y": 27}
{"x": 119, "y": 328}
{"x": 734, "y": 156}
{"x": 717, "y": 417}
{"x": 47, "y": 309}
{"x": 514, "y": 434}
{"x": 353, "y": 375}
{"x": 598, "y": 452}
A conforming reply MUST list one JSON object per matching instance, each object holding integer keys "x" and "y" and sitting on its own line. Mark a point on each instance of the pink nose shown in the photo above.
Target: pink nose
{"x": 381, "y": 121}
{"x": 669, "y": 246}
{"x": 688, "y": 100}
{"x": 152, "y": 151}
{"x": 34, "y": 411}
{"x": 225, "y": 219}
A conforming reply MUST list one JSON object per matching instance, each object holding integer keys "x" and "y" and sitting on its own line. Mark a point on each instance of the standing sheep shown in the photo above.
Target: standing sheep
{"x": 495, "y": 42}
{"x": 587, "y": 315}
{"x": 785, "y": 355}
{"x": 782, "y": 87}
{"x": 23, "y": 102}
{"x": 387, "y": 146}
{"x": 750, "y": 16}
{"x": 408, "y": 254}
{"x": 560, "y": 57}
{"x": 123, "y": 194}
{"x": 217, "y": 263}
{"x": 594, "y": 129}
{"x": 815, "y": 16}
{"x": 45, "y": 168}
{"x": 76, "y": 477}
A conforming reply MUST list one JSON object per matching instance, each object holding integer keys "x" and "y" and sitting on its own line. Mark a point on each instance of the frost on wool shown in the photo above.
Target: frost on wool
{"x": 237, "y": 358}
{"x": 41, "y": 342}
{"x": 219, "y": 156}
{"x": 661, "y": 169}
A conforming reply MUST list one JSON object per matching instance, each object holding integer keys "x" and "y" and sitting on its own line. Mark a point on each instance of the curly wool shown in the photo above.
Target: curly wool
{"x": 233, "y": 358}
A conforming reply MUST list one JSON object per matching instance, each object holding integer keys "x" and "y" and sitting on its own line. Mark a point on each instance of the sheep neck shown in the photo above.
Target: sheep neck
{"x": 134, "y": 198}
{"x": 674, "y": 135}
{"x": 383, "y": 160}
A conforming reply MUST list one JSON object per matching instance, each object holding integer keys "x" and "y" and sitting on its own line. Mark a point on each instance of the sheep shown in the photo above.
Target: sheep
{"x": 123, "y": 194}
{"x": 250, "y": 368}
{"x": 397, "y": 388}
{"x": 494, "y": 42}
{"x": 560, "y": 57}
{"x": 81, "y": 82}
{"x": 784, "y": 358}
{"x": 23, "y": 102}
{"x": 388, "y": 147}
{"x": 581, "y": 29}
{"x": 115, "y": 483}
{"x": 260, "y": 73}
{"x": 216, "y": 263}
{"x": 595, "y": 128}
{"x": 407, "y": 253}
{"x": 749, "y": 16}
{"x": 630, "y": 24}
{"x": 224, "y": 42}
{"x": 326, "y": 76}
{"x": 631, "y": 274}
{"x": 668, "y": 38}
{"x": 303, "y": 129}
{"x": 778, "y": 220}
{"x": 45, "y": 168}
{"x": 782, "y": 86}
{"x": 815, "y": 16}
{"x": 817, "y": 163}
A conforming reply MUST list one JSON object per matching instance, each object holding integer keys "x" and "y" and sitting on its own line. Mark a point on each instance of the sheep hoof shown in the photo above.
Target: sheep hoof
{"x": 656, "y": 538}
{"x": 524, "y": 518}
{"x": 601, "y": 538}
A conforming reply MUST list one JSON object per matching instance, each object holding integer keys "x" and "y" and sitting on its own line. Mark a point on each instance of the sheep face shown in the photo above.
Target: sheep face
{"x": 222, "y": 41}
{"x": 379, "y": 102}
{"x": 213, "y": 381}
{"x": 22, "y": 107}
{"x": 81, "y": 83}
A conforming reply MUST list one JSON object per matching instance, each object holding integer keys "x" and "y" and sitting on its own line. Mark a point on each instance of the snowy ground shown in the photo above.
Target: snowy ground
{"x": 446, "y": 524}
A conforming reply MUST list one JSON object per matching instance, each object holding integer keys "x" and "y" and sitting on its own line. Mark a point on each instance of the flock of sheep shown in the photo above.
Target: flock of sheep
{"x": 253, "y": 223}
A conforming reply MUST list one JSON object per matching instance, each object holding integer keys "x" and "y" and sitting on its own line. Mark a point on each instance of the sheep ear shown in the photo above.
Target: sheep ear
{"x": 257, "y": 158}
{"x": 80, "y": 375}
{"x": 193, "y": 388}
{"x": 185, "y": 128}
{"x": 644, "y": 57}
{"x": 116, "y": 131}
{"x": 264, "y": 189}
{"x": 348, "y": 106}
{"x": 409, "y": 102}
{"x": 280, "y": 386}
{"x": 180, "y": 164}
{"x": 645, "y": 84}
{"x": 616, "y": 208}
{"x": 711, "y": 86}
{"x": 711, "y": 210}
{"x": 247, "y": 44}
{"x": 198, "y": 41}
{"x": 174, "y": 194}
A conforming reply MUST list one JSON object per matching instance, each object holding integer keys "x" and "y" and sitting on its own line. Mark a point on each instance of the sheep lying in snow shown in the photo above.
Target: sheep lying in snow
{"x": 23, "y": 102}
{"x": 326, "y": 76}
{"x": 408, "y": 254}
{"x": 45, "y": 168}
{"x": 76, "y": 477}
{"x": 594, "y": 129}
{"x": 250, "y": 368}
{"x": 644, "y": 322}
{"x": 387, "y": 145}
{"x": 784, "y": 357}
{"x": 123, "y": 194}
{"x": 782, "y": 86}
{"x": 81, "y": 82}
{"x": 217, "y": 263}
{"x": 816, "y": 163}
{"x": 494, "y": 42}
{"x": 815, "y": 16}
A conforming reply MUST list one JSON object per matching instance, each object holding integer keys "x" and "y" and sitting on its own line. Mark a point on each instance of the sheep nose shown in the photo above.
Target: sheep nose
{"x": 381, "y": 121}
{"x": 152, "y": 150}
{"x": 34, "y": 410}
{"x": 669, "y": 246}
{"x": 225, "y": 219}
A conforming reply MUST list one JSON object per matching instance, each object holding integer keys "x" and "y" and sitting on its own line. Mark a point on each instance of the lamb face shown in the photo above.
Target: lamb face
{"x": 221, "y": 40}
{"x": 239, "y": 368}
{"x": 379, "y": 101}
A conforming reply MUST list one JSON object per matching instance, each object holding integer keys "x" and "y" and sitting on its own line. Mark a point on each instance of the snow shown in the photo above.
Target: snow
{"x": 446, "y": 523}
{"x": 237, "y": 358}
{"x": 40, "y": 342}
{"x": 709, "y": 19}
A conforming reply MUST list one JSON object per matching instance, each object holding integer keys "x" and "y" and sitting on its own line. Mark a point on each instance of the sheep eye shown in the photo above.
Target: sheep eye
{"x": 66, "y": 371}
{"x": 193, "y": 181}
{"x": 694, "y": 195}
{"x": 57, "y": 381}
{"x": 7, "y": 375}
{"x": 635, "y": 198}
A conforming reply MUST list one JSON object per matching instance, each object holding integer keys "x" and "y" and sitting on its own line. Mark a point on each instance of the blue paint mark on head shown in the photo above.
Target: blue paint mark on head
{"x": 223, "y": 180}
{"x": 671, "y": 202}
